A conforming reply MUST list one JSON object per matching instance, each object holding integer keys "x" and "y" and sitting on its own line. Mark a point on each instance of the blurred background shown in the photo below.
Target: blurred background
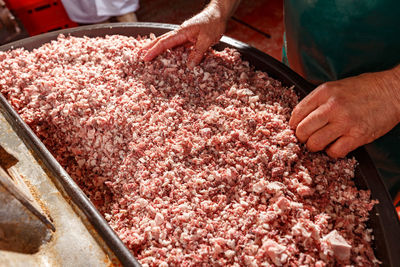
{"x": 258, "y": 23}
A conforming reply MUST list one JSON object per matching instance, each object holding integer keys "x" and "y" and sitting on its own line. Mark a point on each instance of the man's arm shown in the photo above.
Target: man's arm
{"x": 203, "y": 30}
{"x": 342, "y": 115}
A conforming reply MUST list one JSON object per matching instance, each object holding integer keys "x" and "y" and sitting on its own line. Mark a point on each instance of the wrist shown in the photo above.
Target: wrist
{"x": 392, "y": 82}
{"x": 222, "y": 9}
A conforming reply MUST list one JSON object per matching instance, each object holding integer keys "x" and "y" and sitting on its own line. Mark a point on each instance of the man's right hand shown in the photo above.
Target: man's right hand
{"x": 203, "y": 30}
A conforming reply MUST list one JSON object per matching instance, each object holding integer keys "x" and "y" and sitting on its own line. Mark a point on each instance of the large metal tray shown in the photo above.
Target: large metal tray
{"x": 383, "y": 219}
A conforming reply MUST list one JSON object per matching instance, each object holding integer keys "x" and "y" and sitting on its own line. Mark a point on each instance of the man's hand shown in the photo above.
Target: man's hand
{"x": 342, "y": 115}
{"x": 203, "y": 30}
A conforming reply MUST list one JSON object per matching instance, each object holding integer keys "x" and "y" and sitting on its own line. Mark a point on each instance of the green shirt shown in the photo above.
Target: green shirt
{"x": 335, "y": 39}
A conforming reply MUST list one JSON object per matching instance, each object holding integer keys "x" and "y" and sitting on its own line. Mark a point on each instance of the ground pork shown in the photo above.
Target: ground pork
{"x": 190, "y": 167}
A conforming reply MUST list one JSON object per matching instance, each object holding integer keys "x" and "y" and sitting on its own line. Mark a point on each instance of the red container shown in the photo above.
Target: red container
{"x": 40, "y": 16}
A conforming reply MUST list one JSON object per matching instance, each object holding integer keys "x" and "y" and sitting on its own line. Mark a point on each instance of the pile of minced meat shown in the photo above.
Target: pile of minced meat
{"x": 191, "y": 167}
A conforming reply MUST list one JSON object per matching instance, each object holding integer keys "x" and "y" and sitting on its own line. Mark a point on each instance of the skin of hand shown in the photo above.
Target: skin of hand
{"x": 342, "y": 115}
{"x": 203, "y": 30}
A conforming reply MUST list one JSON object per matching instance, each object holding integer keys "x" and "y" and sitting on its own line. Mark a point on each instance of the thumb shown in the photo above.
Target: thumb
{"x": 202, "y": 44}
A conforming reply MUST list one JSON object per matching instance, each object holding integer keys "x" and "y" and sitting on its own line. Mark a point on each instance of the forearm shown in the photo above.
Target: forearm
{"x": 391, "y": 80}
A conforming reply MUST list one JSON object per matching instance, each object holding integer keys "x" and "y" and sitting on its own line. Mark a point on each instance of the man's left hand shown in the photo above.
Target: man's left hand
{"x": 342, "y": 115}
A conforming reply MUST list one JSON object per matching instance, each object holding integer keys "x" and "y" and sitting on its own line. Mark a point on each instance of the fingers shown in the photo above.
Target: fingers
{"x": 164, "y": 42}
{"x": 312, "y": 122}
{"x": 307, "y": 105}
{"x": 153, "y": 42}
{"x": 342, "y": 147}
{"x": 323, "y": 137}
{"x": 317, "y": 131}
{"x": 202, "y": 44}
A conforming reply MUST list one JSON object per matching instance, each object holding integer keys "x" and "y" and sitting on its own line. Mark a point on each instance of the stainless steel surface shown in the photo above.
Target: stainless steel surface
{"x": 72, "y": 244}
{"x": 13, "y": 182}
{"x": 20, "y": 230}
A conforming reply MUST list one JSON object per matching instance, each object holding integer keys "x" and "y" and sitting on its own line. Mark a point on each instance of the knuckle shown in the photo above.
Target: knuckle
{"x": 340, "y": 112}
{"x": 325, "y": 86}
{"x": 330, "y": 86}
{"x": 360, "y": 131}
{"x": 297, "y": 114}
{"x": 335, "y": 103}
{"x": 301, "y": 135}
{"x": 335, "y": 153}
{"x": 338, "y": 150}
{"x": 345, "y": 115}
{"x": 332, "y": 154}
{"x": 331, "y": 106}
{"x": 295, "y": 111}
{"x": 320, "y": 115}
{"x": 312, "y": 146}
{"x": 326, "y": 89}
{"x": 315, "y": 144}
